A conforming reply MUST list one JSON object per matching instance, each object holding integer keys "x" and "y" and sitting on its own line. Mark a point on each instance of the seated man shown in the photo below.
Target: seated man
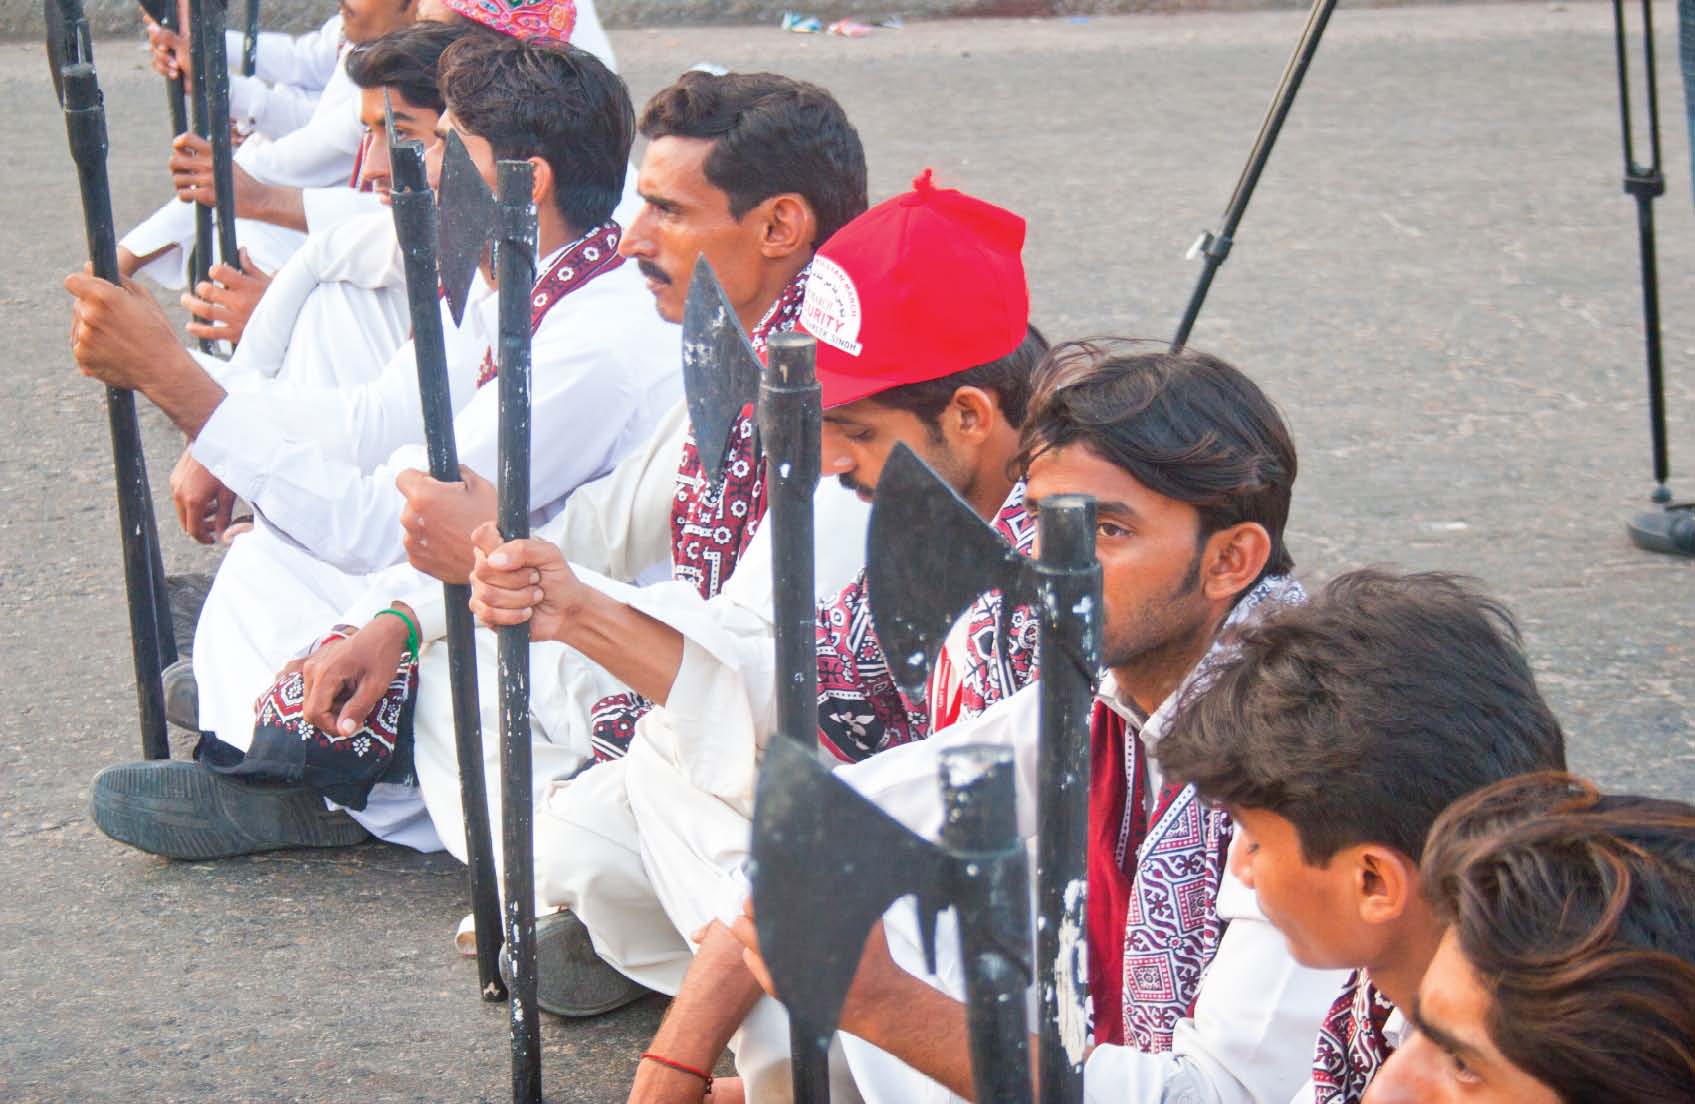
{"x": 320, "y": 466}
{"x": 749, "y": 171}
{"x": 1191, "y": 468}
{"x": 954, "y": 388}
{"x": 337, "y": 311}
{"x": 289, "y": 72}
{"x": 1334, "y": 740}
{"x": 318, "y": 156}
{"x": 1567, "y": 971}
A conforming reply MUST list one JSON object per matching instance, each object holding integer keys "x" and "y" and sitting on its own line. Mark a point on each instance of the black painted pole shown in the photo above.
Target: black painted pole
{"x": 515, "y": 260}
{"x": 415, "y": 227}
{"x": 176, "y": 95}
{"x": 1070, "y": 650}
{"x": 789, "y": 416}
{"x": 980, "y": 831}
{"x": 1214, "y": 248}
{"x": 250, "y": 40}
{"x": 218, "y": 112}
{"x": 202, "y": 260}
{"x": 151, "y": 638}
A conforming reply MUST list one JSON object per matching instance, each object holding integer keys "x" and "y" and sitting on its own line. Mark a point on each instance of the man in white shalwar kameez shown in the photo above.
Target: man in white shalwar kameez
{"x": 1190, "y": 543}
{"x": 320, "y": 466}
{"x": 337, "y": 311}
{"x": 658, "y": 515}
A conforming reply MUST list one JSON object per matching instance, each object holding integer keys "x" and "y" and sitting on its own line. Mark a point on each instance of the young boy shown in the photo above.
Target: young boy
{"x": 1567, "y": 973}
{"x": 1334, "y": 740}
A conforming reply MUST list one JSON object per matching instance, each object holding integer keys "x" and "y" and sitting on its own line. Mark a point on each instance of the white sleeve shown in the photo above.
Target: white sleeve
{"x": 305, "y": 61}
{"x": 328, "y": 207}
{"x": 274, "y": 110}
{"x": 317, "y": 155}
{"x": 620, "y": 524}
{"x": 1250, "y": 1040}
{"x": 728, "y": 654}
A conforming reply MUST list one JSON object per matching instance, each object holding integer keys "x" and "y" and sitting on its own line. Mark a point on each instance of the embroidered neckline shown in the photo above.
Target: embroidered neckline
{"x": 575, "y": 265}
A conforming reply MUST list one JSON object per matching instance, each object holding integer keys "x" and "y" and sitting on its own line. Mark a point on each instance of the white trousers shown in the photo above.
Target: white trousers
{"x": 645, "y": 859}
{"x": 269, "y": 602}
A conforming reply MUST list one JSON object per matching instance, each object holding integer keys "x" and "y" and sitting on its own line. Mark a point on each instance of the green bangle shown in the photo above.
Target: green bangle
{"x": 412, "y": 633}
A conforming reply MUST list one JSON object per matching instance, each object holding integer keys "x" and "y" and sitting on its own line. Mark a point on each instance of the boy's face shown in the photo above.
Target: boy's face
{"x": 1451, "y": 1056}
{"x": 1314, "y": 907}
{"x": 411, "y": 122}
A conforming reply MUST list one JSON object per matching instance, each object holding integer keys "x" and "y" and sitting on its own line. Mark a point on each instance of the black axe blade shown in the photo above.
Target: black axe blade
{"x": 466, "y": 221}
{"x": 405, "y": 158}
{"x": 155, "y": 9}
{"x": 816, "y": 899}
{"x": 928, "y": 557}
{"x": 720, "y": 369}
{"x": 67, "y": 40}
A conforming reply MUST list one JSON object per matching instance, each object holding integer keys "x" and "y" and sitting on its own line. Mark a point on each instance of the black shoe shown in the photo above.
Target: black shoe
{"x": 182, "y": 695}
{"x": 571, "y": 980}
{"x": 181, "y": 810}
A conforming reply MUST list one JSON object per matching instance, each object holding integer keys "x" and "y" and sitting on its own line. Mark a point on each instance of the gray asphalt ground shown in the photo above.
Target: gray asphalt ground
{"x": 1437, "y": 281}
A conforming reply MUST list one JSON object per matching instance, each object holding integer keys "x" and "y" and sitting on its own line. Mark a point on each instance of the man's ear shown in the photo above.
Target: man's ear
{"x": 541, "y": 184}
{"x": 1385, "y": 881}
{"x": 787, "y": 226}
{"x": 1233, "y": 559}
{"x": 972, "y": 413}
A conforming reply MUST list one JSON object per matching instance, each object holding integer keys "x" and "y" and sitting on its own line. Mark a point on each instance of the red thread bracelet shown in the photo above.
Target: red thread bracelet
{"x": 649, "y": 1056}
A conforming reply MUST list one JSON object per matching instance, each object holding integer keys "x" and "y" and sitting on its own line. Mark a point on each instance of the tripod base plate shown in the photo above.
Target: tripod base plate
{"x": 1671, "y": 530}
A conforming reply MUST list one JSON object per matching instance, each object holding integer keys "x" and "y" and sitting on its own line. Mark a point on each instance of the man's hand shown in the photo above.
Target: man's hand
{"x": 191, "y": 176}
{"x": 876, "y": 982}
{"x": 118, "y": 333}
{"x": 345, "y": 679}
{"x": 439, "y": 519}
{"x": 519, "y": 581}
{"x": 170, "y": 50}
{"x": 204, "y": 504}
{"x": 226, "y": 301}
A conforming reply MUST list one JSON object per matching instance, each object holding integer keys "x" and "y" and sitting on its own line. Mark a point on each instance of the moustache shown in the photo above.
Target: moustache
{"x": 853, "y": 485}
{"x": 653, "y": 272}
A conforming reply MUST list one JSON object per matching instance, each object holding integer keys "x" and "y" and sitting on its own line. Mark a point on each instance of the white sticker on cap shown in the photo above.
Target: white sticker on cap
{"x": 830, "y": 311}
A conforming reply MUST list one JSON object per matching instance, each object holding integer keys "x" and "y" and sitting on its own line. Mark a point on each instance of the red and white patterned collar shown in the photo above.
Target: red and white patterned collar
{"x": 573, "y": 267}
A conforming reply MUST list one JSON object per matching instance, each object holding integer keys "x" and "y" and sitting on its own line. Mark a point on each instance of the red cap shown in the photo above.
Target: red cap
{"x": 919, "y": 287}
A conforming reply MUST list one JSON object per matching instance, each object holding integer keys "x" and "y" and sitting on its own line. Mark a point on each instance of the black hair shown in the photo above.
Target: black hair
{"x": 406, "y": 60}
{"x": 545, "y": 99}
{"x": 771, "y": 135}
{"x": 1361, "y": 716}
{"x": 1185, "y": 425}
{"x": 1010, "y": 378}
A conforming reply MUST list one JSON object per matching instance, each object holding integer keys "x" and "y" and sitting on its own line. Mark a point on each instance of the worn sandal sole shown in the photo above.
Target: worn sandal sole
{"x": 181, "y": 810}
{"x": 571, "y": 980}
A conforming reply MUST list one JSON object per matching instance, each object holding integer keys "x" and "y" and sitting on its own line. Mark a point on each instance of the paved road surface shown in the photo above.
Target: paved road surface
{"x": 1437, "y": 282}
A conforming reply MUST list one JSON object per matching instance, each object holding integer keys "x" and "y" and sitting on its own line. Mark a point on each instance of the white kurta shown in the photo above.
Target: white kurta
{"x": 1257, "y": 1012}
{"x": 289, "y": 74}
{"x": 331, "y": 317}
{"x": 319, "y": 467}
